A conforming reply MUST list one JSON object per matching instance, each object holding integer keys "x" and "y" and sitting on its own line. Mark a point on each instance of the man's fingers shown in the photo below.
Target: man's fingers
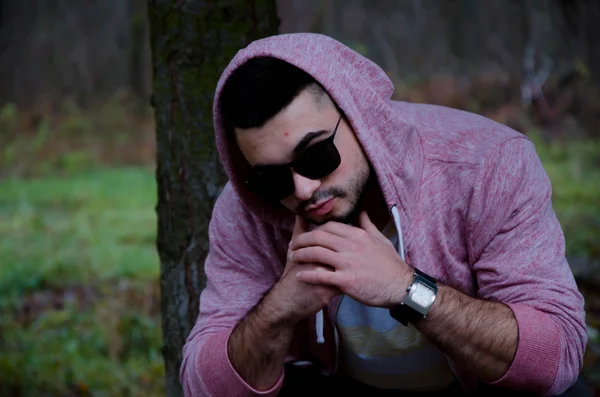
{"x": 339, "y": 229}
{"x": 320, "y": 277}
{"x": 367, "y": 225}
{"x": 316, "y": 254}
{"x": 319, "y": 238}
{"x": 300, "y": 226}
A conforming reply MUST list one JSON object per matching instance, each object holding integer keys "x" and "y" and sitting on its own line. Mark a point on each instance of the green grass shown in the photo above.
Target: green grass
{"x": 60, "y": 232}
{"x": 90, "y": 232}
{"x": 574, "y": 170}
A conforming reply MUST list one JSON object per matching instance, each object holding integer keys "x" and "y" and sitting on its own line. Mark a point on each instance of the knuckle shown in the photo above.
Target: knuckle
{"x": 319, "y": 235}
{"x": 362, "y": 234}
{"x": 349, "y": 282}
{"x": 324, "y": 297}
{"x": 348, "y": 262}
{"x": 312, "y": 251}
{"x": 296, "y": 256}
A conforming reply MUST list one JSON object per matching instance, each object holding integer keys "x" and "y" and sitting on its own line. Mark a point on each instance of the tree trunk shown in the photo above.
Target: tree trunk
{"x": 192, "y": 41}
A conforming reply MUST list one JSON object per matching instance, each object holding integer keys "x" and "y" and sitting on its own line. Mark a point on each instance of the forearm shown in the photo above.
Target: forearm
{"x": 258, "y": 345}
{"x": 482, "y": 335}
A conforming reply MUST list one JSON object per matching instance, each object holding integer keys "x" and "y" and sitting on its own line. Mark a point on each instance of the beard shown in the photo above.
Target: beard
{"x": 354, "y": 193}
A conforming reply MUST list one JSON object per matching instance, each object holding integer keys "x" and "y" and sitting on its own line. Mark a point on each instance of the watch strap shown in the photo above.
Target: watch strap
{"x": 425, "y": 279}
{"x": 406, "y": 314}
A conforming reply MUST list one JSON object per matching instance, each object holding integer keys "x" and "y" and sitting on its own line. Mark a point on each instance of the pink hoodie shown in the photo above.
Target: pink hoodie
{"x": 474, "y": 204}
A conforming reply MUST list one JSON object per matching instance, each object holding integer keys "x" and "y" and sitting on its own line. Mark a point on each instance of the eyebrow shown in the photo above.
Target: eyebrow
{"x": 304, "y": 142}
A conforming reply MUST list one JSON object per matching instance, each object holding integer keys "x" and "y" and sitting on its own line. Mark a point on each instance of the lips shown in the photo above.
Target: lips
{"x": 322, "y": 207}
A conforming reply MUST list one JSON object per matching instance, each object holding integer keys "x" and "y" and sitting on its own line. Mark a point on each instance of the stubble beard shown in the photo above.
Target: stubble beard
{"x": 354, "y": 193}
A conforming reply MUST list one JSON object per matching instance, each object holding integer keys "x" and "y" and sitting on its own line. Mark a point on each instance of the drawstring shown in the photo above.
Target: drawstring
{"x": 319, "y": 316}
{"x": 320, "y": 337}
{"x": 396, "y": 216}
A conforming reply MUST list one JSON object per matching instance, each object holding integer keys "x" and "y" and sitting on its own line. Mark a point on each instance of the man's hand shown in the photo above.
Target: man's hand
{"x": 365, "y": 265}
{"x": 478, "y": 334}
{"x": 258, "y": 345}
{"x": 291, "y": 300}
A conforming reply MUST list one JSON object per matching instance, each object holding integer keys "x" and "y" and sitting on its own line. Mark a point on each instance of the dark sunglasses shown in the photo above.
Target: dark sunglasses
{"x": 315, "y": 162}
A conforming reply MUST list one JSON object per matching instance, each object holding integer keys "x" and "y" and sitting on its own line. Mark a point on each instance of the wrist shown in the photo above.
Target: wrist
{"x": 418, "y": 299}
{"x": 401, "y": 286}
{"x": 272, "y": 315}
{"x": 257, "y": 328}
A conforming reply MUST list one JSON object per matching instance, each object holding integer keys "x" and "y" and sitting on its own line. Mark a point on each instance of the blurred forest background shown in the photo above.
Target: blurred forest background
{"x": 79, "y": 304}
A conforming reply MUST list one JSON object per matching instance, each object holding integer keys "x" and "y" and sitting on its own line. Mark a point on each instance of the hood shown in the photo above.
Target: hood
{"x": 363, "y": 91}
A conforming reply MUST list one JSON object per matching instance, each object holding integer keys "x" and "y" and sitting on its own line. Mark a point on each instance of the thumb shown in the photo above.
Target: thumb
{"x": 300, "y": 226}
{"x": 366, "y": 224}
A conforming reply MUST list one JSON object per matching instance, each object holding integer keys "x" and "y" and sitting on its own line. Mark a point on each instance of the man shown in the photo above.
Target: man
{"x": 375, "y": 246}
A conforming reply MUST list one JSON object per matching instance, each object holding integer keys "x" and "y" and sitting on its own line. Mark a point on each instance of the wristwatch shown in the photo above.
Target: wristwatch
{"x": 421, "y": 295}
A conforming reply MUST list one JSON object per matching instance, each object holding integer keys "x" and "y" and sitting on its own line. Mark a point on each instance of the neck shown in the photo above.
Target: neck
{"x": 374, "y": 203}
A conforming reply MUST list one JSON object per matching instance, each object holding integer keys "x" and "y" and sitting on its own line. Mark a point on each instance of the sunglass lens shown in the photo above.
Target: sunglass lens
{"x": 274, "y": 186}
{"x": 315, "y": 162}
{"x": 318, "y": 161}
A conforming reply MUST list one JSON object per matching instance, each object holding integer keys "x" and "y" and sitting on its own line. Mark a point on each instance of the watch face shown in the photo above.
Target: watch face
{"x": 422, "y": 295}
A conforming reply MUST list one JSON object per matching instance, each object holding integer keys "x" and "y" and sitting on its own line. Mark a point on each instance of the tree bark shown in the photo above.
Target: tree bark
{"x": 192, "y": 41}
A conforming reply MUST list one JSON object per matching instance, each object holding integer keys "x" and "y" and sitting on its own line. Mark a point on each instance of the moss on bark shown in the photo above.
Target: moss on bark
{"x": 192, "y": 42}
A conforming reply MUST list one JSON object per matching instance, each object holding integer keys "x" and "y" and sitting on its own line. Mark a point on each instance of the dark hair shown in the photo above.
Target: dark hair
{"x": 260, "y": 88}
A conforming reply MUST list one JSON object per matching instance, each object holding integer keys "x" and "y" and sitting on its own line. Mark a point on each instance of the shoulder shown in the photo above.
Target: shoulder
{"x": 235, "y": 227}
{"x": 231, "y": 217}
{"x": 456, "y": 136}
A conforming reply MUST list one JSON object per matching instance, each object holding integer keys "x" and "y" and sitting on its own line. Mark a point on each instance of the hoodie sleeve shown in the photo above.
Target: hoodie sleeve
{"x": 517, "y": 251}
{"x": 238, "y": 273}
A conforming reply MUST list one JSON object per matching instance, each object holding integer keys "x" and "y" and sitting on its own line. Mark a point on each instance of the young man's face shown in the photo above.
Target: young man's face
{"x": 333, "y": 197}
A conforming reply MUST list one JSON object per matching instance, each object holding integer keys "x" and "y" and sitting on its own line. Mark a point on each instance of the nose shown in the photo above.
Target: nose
{"x": 304, "y": 188}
